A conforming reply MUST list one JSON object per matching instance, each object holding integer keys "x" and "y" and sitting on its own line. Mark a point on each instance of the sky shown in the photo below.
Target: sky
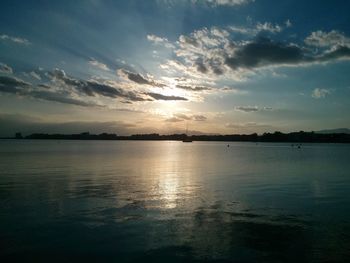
{"x": 164, "y": 66}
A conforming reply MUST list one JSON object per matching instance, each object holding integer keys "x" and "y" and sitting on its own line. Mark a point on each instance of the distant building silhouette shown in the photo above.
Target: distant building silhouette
{"x": 18, "y": 135}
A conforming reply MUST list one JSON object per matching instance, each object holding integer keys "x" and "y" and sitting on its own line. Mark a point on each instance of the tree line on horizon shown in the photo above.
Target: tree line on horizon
{"x": 294, "y": 137}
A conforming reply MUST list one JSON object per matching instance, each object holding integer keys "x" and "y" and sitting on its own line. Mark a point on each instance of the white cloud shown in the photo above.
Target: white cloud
{"x": 324, "y": 39}
{"x": 99, "y": 65}
{"x": 259, "y": 27}
{"x": 227, "y": 2}
{"x": 320, "y": 93}
{"x": 35, "y": 75}
{"x": 288, "y": 23}
{"x": 186, "y": 117}
{"x": 160, "y": 41}
{"x": 269, "y": 27}
{"x": 17, "y": 40}
{"x": 242, "y": 30}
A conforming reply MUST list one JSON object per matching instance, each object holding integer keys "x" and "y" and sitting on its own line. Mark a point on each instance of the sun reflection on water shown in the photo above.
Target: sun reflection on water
{"x": 173, "y": 178}
{"x": 169, "y": 190}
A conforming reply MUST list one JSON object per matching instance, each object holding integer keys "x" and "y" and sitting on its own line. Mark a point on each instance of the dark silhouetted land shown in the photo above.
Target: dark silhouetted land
{"x": 293, "y": 137}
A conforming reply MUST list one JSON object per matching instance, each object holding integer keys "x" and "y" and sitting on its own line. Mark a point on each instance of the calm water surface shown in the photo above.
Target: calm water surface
{"x": 144, "y": 201}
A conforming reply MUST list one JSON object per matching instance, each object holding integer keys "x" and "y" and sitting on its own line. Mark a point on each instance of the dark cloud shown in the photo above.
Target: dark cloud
{"x": 264, "y": 52}
{"x": 247, "y": 108}
{"x": 61, "y": 98}
{"x": 193, "y": 88}
{"x": 5, "y": 69}
{"x": 60, "y": 75}
{"x": 12, "y": 84}
{"x": 201, "y": 67}
{"x": 158, "y": 96}
{"x": 252, "y": 108}
{"x": 138, "y": 78}
{"x": 15, "y": 85}
{"x": 199, "y": 118}
{"x": 69, "y": 90}
{"x": 211, "y": 53}
{"x": 93, "y": 88}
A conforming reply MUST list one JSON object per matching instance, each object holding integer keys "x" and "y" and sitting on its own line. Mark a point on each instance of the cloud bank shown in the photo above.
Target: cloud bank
{"x": 216, "y": 52}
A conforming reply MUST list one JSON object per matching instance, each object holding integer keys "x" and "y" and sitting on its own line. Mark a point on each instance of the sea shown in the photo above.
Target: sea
{"x": 169, "y": 201}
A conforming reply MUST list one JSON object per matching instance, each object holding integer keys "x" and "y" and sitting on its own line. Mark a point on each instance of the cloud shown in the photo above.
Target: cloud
{"x": 210, "y": 53}
{"x": 199, "y": 118}
{"x": 192, "y": 88}
{"x": 93, "y": 87}
{"x": 5, "y": 69}
{"x": 99, "y": 65}
{"x": 17, "y": 86}
{"x": 252, "y": 108}
{"x": 35, "y": 75}
{"x": 288, "y": 23}
{"x": 61, "y": 98}
{"x": 246, "y": 108}
{"x": 323, "y": 39}
{"x": 17, "y": 40}
{"x": 224, "y": 2}
{"x": 174, "y": 119}
{"x": 269, "y": 27}
{"x": 160, "y": 41}
{"x": 45, "y": 86}
{"x": 12, "y": 84}
{"x": 139, "y": 79}
{"x": 158, "y": 96}
{"x": 185, "y": 117}
{"x": 263, "y": 52}
{"x": 242, "y": 30}
{"x": 266, "y": 27}
{"x": 320, "y": 93}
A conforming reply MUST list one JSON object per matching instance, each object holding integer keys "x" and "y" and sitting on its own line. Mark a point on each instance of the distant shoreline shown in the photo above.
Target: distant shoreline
{"x": 293, "y": 137}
